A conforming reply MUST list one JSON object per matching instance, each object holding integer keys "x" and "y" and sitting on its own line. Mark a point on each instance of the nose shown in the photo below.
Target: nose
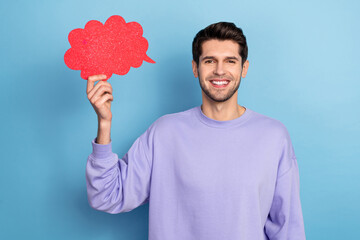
{"x": 219, "y": 69}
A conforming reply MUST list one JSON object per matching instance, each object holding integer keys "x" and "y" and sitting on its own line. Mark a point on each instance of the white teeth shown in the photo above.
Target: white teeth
{"x": 219, "y": 82}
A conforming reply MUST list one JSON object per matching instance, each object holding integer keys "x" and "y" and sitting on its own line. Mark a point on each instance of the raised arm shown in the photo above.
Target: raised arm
{"x": 115, "y": 185}
{"x": 100, "y": 97}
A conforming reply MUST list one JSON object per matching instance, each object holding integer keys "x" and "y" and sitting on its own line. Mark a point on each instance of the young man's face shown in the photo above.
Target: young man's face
{"x": 220, "y": 70}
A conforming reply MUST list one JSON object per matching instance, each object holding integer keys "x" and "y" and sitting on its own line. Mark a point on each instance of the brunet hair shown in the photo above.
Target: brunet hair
{"x": 220, "y": 31}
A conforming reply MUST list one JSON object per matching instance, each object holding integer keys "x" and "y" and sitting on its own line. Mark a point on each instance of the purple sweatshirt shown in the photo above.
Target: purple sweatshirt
{"x": 204, "y": 179}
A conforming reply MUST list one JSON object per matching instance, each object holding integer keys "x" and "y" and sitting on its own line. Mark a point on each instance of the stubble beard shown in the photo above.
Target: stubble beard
{"x": 213, "y": 96}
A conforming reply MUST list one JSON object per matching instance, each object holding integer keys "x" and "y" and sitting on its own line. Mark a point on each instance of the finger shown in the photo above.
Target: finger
{"x": 104, "y": 99}
{"x": 99, "y": 89}
{"x": 97, "y": 86}
{"x": 99, "y": 92}
{"x": 92, "y": 79}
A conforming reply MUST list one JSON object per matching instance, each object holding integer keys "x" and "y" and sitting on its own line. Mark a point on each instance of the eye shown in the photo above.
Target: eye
{"x": 209, "y": 61}
{"x": 231, "y": 61}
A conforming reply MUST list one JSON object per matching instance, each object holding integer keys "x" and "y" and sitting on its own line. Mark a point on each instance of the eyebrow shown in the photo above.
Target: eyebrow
{"x": 227, "y": 58}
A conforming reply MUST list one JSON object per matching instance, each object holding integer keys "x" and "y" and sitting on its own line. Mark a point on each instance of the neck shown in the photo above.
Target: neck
{"x": 222, "y": 111}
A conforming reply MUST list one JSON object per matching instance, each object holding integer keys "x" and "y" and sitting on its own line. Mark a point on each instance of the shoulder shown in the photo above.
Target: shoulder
{"x": 171, "y": 120}
{"x": 174, "y": 118}
{"x": 275, "y": 133}
{"x": 268, "y": 125}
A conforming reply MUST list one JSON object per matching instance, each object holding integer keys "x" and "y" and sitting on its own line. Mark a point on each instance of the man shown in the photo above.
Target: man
{"x": 219, "y": 171}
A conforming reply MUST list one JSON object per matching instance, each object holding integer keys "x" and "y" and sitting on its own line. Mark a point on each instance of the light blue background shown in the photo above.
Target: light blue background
{"x": 304, "y": 71}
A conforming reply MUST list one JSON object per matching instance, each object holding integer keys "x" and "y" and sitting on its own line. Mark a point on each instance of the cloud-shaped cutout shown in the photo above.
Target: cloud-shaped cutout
{"x": 107, "y": 49}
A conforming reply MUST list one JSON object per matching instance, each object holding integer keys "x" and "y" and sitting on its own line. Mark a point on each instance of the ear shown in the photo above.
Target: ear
{"x": 195, "y": 69}
{"x": 245, "y": 69}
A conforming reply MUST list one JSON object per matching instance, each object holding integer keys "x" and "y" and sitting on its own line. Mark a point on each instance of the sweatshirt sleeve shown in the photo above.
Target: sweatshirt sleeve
{"x": 285, "y": 219}
{"x": 119, "y": 185}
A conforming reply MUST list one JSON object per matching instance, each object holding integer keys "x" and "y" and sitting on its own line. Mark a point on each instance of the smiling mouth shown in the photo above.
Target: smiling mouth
{"x": 219, "y": 83}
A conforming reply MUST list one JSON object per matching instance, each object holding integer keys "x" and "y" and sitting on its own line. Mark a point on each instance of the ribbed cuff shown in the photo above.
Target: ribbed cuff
{"x": 101, "y": 150}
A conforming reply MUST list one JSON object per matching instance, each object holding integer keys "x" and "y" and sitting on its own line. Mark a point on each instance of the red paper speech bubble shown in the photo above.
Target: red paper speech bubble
{"x": 107, "y": 49}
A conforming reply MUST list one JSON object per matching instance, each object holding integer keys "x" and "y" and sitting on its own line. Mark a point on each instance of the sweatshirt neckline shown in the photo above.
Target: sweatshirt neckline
{"x": 222, "y": 124}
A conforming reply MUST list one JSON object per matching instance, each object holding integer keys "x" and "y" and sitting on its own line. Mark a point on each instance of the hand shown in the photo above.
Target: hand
{"x": 100, "y": 97}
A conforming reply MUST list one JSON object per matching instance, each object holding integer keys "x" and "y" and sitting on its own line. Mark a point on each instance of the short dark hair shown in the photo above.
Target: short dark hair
{"x": 220, "y": 31}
